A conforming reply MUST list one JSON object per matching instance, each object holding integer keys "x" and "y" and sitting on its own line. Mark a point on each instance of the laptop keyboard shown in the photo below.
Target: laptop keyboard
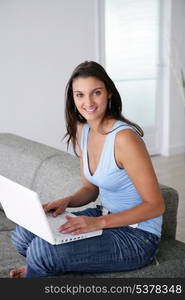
{"x": 56, "y": 222}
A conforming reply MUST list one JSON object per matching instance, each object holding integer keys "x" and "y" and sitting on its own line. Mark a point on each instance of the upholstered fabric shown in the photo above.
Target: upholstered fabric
{"x": 20, "y": 158}
{"x": 171, "y": 200}
{"x": 57, "y": 177}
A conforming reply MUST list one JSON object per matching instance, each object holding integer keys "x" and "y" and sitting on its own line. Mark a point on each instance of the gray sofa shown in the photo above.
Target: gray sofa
{"x": 53, "y": 174}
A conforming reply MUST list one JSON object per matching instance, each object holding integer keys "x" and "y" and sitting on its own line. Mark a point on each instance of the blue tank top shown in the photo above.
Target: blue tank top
{"x": 117, "y": 191}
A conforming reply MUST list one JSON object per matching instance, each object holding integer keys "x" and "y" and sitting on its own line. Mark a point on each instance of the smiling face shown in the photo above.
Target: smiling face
{"x": 90, "y": 97}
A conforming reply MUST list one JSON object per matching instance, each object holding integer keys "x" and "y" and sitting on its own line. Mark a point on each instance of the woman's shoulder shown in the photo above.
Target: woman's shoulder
{"x": 127, "y": 136}
{"x": 129, "y": 147}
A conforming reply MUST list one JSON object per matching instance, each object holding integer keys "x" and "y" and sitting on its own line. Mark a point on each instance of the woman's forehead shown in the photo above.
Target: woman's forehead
{"x": 87, "y": 83}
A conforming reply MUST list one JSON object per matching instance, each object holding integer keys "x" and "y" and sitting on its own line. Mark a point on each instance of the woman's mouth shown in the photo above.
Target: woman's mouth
{"x": 90, "y": 110}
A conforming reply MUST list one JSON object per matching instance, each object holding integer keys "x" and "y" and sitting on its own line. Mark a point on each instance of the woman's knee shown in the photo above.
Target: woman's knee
{"x": 43, "y": 259}
{"x": 21, "y": 239}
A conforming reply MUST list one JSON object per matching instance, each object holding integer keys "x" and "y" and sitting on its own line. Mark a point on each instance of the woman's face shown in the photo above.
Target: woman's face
{"x": 90, "y": 97}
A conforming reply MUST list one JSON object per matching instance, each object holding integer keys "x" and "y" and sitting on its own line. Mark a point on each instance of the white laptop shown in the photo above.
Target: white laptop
{"x": 23, "y": 206}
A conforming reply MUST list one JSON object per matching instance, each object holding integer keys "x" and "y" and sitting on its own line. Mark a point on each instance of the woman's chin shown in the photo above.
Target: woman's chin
{"x": 90, "y": 116}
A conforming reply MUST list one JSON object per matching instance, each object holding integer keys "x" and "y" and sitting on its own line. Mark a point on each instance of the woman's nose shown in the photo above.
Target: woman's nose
{"x": 89, "y": 101}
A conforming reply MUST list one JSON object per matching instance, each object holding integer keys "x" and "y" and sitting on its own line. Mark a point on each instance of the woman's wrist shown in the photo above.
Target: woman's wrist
{"x": 102, "y": 222}
{"x": 69, "y": 201}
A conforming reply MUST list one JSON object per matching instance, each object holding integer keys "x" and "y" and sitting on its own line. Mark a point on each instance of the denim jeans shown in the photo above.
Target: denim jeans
{"x": 117, "y": 249}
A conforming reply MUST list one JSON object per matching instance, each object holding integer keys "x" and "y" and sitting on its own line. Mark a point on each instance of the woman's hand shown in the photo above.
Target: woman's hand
{"x": 80, "y": 224}
{"x": 56, "y": 207}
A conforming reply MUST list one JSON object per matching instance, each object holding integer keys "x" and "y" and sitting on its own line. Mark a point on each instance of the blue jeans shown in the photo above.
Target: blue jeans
{"x": 117, "y": 249}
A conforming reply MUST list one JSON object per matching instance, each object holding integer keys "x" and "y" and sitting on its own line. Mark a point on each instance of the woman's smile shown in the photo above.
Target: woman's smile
{"x": 90, "y": 110}
{"x": 90, "y": 97}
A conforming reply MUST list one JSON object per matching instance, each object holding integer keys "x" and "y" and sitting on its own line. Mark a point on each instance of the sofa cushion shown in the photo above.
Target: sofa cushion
{"x": 20, "y": 158}
{"x": 57, "y": 177}
{"x": 5, "y": 224}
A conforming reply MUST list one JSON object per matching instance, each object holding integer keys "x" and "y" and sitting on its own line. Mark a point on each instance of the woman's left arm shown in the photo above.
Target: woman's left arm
{"x": 132, "y": 155}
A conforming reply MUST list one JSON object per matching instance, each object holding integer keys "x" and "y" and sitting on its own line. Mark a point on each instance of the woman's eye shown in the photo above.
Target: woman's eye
{"x": 97, "y": 93}
{"x": 79, "y": 95}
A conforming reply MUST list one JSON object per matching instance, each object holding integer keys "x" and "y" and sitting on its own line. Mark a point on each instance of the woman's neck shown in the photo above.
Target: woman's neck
{"x": 101, "y": 126}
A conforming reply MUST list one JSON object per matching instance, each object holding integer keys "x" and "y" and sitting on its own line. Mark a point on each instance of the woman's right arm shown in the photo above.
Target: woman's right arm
{"x": 88, "y": 193}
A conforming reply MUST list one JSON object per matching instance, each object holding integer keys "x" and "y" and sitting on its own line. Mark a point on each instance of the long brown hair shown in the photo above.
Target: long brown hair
{"x": 73, "y": 117}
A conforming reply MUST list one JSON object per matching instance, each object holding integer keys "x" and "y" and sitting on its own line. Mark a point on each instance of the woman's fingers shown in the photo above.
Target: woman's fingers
{"x": 50, "y": 206}
{"x": 57, "y": 211}
{"x": 56, "y": 207}
{"x": 69, "y": 226}
{"x": 73, "y": 225}
{"x": 47, "y": 207}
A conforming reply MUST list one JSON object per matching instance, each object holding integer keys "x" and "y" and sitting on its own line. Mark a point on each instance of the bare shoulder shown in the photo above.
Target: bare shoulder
{"x": 129, "y": 147}
{"x": 128, "y": 137}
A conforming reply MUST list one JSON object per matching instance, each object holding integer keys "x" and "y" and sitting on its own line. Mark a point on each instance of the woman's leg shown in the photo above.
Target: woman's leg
{"x": 21, "y": 239}
{"x": 117, "y": 249}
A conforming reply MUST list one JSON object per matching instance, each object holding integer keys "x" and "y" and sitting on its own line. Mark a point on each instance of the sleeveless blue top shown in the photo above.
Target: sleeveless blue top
{"x": 117, "y": 191}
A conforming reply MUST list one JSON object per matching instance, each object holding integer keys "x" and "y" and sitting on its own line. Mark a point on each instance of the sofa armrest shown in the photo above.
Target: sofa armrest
{"x": 171, "y": 200}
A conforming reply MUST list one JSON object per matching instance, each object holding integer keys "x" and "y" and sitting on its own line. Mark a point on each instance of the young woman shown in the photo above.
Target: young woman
{"x": 115, "y": 164}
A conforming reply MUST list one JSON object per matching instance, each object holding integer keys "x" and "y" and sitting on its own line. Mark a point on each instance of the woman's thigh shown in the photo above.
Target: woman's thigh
{"x": 116, "y": 249}
{"x": 121, "y": 248}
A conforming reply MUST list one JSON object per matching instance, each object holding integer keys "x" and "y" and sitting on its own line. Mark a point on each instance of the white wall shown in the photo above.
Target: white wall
{"x": 173, "y": 58}
{"x": 41, "y": 43}
{"x": 177, "y": 100}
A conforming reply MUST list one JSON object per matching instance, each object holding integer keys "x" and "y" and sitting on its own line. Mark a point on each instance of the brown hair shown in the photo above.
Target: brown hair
{"x": 73, "y": 117}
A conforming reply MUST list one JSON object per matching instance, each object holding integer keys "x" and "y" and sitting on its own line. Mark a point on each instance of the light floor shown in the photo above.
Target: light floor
{"x": 171, "y": 171}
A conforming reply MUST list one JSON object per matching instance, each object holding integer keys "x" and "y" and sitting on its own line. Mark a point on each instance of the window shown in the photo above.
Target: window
{"x": 131, "y": 55}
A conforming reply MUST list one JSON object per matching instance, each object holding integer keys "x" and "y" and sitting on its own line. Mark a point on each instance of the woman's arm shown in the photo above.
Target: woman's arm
{"x": 132, "y": 155}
